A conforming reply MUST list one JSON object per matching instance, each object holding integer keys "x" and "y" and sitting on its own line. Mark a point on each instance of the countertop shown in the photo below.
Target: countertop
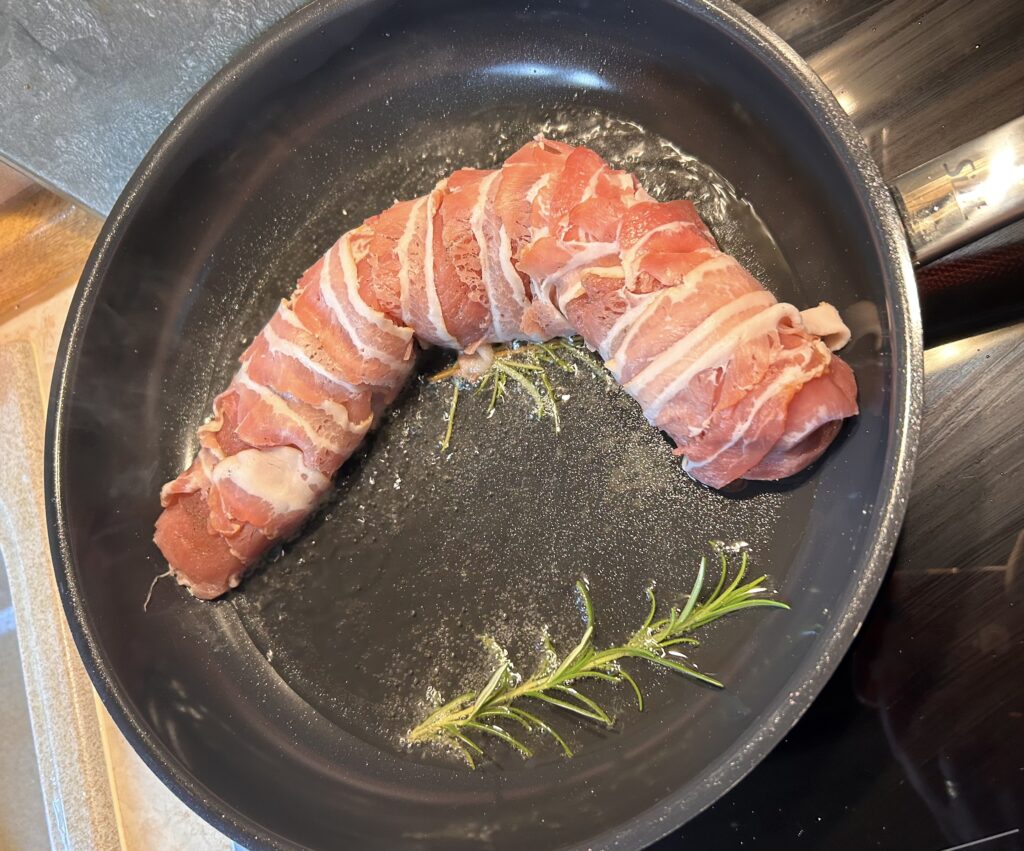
{"x": 86, "y": 86}
{"x": 916, "y": 743}
{"x": 69, "y": 779}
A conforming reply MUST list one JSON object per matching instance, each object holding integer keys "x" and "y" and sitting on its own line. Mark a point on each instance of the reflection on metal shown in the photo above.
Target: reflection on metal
{"x": 1010, "y": 570}
{"x": 951, "y": 354}
{"x": 1013, "y": 568}
{"x": 964, "y": 194}
{"x": 847, "y": 101}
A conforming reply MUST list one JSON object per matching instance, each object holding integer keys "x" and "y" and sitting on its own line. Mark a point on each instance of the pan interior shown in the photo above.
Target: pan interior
{"x": 420, "y": 552}
{"x": 283, "y": 704}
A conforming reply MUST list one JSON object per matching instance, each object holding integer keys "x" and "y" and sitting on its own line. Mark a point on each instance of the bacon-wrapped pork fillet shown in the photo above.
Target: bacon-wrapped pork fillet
{"x": 555, "y": 242}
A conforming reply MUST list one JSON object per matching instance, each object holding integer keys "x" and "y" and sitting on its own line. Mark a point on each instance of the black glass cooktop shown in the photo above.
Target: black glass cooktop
{"x": 917, "y": 741}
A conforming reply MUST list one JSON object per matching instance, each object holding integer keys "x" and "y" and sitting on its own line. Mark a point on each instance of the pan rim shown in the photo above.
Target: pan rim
{"x": 907, "y": 399}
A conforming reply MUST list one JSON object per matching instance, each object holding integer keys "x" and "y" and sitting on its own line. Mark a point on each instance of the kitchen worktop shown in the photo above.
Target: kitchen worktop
{"x": 916, "y": 743}
{"x": 86, "y": 86}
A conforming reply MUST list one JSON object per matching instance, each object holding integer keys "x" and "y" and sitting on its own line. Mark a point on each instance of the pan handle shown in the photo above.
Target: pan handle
{"x": 964, "y": 194}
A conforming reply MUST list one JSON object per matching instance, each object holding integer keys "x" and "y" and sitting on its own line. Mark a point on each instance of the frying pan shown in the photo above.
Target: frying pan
{"x": 276, "y": 712}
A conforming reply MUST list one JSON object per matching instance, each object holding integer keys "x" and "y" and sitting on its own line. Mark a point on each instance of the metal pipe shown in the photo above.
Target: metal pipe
{"x": 964, "y": 194}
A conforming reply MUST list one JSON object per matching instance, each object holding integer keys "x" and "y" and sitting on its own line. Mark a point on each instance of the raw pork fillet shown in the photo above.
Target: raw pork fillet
{"x": 555, "y": 242}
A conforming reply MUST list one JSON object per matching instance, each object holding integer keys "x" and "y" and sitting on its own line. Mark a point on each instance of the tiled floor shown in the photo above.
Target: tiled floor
{"x": 22, "y": 821}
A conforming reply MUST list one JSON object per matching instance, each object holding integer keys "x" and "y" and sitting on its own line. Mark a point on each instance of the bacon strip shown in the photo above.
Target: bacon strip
{"x": 555, "y": 242}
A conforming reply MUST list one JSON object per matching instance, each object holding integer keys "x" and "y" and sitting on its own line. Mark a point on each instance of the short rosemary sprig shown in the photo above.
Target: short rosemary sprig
{"x": 526, "y": 365}
{"x": 496, "y": 710}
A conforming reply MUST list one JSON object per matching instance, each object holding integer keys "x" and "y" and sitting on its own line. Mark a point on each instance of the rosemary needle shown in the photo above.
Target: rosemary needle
{"x": 447, "y": 439}
{"x": 557, "y": 681}
{"x": 525, "y": 365}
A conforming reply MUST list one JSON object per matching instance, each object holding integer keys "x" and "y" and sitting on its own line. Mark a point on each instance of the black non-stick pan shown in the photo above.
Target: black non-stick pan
{"x": 277, "y": 712}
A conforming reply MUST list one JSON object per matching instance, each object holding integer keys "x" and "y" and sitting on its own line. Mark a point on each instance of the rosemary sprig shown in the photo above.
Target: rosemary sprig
{"x": 526, "y": 365}
{"x": 494, "y": 709}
